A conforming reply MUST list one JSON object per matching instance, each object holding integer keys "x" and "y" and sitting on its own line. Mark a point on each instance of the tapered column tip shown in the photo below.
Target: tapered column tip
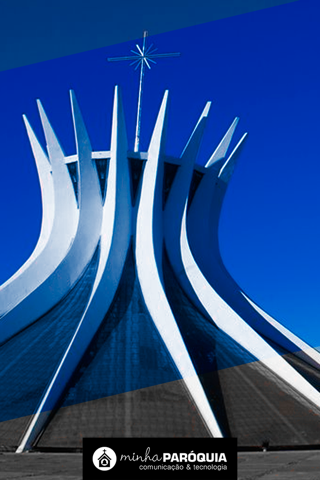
{"x": 206, "y": 109}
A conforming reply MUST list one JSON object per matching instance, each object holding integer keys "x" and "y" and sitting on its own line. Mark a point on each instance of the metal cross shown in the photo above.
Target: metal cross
{"x": 141, "y": 58}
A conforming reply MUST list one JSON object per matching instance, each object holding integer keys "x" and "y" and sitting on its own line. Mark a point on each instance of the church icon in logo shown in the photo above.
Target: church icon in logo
{"x": 104, "y": 458}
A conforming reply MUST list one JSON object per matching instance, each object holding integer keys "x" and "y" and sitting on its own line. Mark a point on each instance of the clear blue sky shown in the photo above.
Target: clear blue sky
{"x": 261, "y": 66}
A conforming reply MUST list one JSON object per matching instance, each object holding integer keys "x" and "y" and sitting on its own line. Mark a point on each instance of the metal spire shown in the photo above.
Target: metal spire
{"x": 141, "y": 58}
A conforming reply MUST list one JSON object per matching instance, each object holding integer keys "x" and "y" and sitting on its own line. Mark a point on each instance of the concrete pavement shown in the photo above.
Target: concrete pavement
{"x": 287, "y": 465}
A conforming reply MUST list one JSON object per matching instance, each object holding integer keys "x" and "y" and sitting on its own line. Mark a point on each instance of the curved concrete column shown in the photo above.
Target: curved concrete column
{"x": 305, "y": 352}
{"x": 48, "y": 208}
{"x": 87, "y": 234}
{"x": 179, "y": 194}
{"x": 203, "y": 223}
{"x": 114, "y": 244}
{"x": 176, "y": 201}
{"x": 232, "y": 324}
{"x": 149, "y": 240}
{"x": 59, "y": 223}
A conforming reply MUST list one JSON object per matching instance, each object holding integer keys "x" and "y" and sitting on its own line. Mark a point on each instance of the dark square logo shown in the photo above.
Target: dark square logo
{"x": 169, "y": 458}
